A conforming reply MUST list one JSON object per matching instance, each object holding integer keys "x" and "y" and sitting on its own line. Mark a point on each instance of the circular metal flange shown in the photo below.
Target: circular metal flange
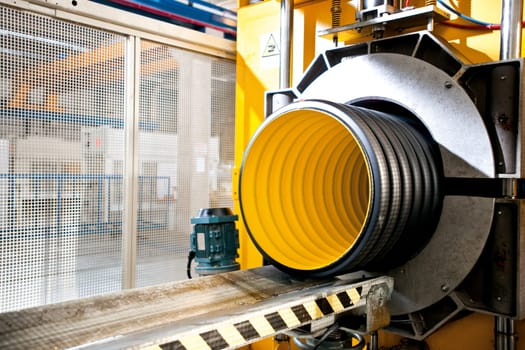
{"x": 450, "y": 116}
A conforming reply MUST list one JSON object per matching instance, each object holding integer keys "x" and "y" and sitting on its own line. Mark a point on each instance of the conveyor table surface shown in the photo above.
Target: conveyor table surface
{"x": 222, "y": 311}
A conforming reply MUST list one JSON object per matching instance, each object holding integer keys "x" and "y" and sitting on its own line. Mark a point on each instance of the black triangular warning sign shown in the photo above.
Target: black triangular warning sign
{"x": 271, "y": 48}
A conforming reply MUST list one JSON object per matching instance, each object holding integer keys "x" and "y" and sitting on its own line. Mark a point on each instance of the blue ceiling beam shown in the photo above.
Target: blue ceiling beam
{"x": 195, "y": 14}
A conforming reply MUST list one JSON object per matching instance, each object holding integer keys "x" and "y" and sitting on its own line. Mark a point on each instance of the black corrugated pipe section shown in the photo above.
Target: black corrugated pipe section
{"x": 327, "y": 188}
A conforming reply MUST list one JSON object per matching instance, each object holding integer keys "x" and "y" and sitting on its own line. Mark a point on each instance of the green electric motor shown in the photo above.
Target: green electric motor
{"x": 214, "y": 241}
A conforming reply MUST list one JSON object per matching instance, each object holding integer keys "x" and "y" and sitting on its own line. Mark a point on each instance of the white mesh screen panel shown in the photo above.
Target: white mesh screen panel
{"x": 185, "y": 157}
{"x": 63, "y": 108}
{"x": 222, "y": 132}
{"x": 61, "y": 156}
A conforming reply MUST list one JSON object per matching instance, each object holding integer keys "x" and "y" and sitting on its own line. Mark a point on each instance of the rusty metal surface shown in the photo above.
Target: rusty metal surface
{"x": 154, "y": 315}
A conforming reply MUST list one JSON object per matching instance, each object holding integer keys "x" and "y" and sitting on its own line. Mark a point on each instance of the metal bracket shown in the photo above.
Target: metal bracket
{"x": 377, "y": 311}
{"x": 510, "y": 188}
{"x": 398, "y": 21}
{"x": 278, "y": 99}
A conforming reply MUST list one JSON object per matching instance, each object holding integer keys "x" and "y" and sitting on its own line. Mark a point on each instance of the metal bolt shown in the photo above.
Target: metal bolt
{"x": 500, "y": 212}
{"x": 499, "y": 298}
{"x": 503, "y": 119}
{"x": 402, "y": 271}
{"x": 444, "y": 288}
{"x": 503, "y": 77}
{"x": 281, "y": 337}
{"x": 448, "y": 84}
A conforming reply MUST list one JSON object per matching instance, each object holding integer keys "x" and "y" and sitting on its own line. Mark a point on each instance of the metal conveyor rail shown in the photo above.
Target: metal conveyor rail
{"x": 224, "y": 311}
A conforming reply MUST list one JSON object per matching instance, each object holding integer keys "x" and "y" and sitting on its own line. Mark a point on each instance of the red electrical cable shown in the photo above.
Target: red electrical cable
{"x": 465, "y": 26}
{"x": 475, "y": 26}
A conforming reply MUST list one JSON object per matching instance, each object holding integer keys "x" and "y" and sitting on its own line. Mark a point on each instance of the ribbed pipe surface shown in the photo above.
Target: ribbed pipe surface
{"x": 327, "y": 188}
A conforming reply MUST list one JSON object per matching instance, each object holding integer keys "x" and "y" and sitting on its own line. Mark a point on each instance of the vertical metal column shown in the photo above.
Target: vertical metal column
{"x": 510, "y": 47}
{"x": 131, "y": 163}
{"x": 505, "y": 337}
{"x": 511, "y": 13}
{"x": 287, "y": 7}
{"x": 286, "y": 27}
{"x": 374, "y": 341}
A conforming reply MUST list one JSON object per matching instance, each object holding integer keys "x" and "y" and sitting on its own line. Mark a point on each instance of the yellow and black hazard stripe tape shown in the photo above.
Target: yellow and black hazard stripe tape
{"x": 263, "y": 325}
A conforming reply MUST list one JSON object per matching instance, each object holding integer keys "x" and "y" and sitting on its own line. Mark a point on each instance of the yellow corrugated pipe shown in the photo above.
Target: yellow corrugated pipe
{"x": 325, "y": 188}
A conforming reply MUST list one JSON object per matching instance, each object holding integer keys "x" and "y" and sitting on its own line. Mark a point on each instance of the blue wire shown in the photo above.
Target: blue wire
{"x": 465, "y": 17}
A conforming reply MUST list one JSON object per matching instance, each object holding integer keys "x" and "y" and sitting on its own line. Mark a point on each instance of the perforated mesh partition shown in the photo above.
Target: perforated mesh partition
{"x": 183, "y": 98}
{"x": 64, "y": 106}
{"x": 62, "y": 89}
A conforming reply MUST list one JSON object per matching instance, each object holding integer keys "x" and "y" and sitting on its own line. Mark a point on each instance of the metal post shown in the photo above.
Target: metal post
{"x": 286, "y": 42}
{"x": 99, "y": 204}
{"x": 374, "y": 341}
{"x": 499, "y": 333}
{"x": 511, "y": 329}
{"x": 108, "y": 208}
{"x": 281, "y": 100}
{"x": 510, "y": 36}
{"x": 511, "y": 13}
{"x": 504, "y": 333}
{"x": 131, "y": 168}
